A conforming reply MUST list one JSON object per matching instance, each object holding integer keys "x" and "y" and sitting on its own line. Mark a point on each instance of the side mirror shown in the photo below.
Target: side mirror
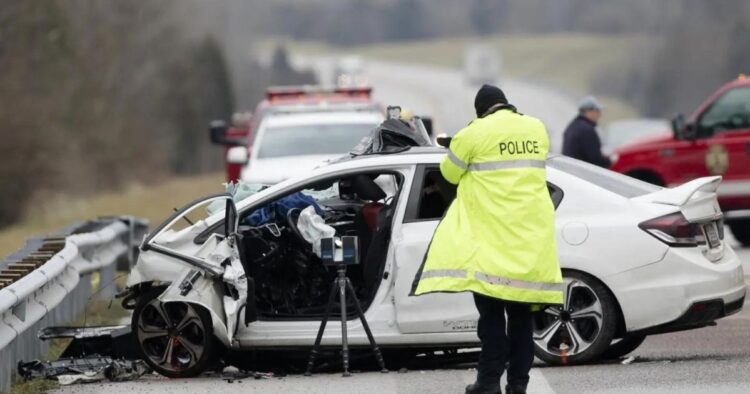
{"x": 681, "y": 129}
{"x": 444, "y": 140}
{"x": 217, "y": 130}
{"x": 237, "y": 155}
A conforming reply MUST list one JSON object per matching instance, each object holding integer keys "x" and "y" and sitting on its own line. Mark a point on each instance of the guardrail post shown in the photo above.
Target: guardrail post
{"x": 106, "y": 289}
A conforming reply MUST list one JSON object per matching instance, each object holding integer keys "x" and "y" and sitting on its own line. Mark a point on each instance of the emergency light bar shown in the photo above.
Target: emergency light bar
{"x": 303, "y": 91}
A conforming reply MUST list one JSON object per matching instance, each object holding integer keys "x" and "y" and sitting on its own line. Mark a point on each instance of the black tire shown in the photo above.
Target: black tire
{"x": 591, "y": 313}
{"x": 741, "y": 230}
{"x": 186, "y": 352}
{"x": 623, "y": 346}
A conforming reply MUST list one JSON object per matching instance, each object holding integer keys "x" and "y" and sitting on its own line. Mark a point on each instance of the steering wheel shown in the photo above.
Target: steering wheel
{"x": 292, "y": 216}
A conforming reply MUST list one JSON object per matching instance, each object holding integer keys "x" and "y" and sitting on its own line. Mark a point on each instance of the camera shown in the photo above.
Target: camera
{"x": 339, "y": 250}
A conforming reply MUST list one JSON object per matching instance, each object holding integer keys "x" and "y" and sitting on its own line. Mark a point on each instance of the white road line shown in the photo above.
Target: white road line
{"x": 538, "y": 384}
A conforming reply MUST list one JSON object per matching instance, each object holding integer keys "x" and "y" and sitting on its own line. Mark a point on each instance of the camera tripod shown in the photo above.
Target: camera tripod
{"x": 343, "y": 285}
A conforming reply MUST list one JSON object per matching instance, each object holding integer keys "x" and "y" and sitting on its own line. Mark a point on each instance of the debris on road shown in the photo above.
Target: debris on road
{"x": 231, "y": 374}
{"x": 83, "y": 370}
{"x": 627, "y": 360}
{"x": 116, "y": 342}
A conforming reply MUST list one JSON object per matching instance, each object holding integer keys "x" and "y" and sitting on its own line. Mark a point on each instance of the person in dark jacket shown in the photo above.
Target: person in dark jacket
{"x": 580, "y": 140}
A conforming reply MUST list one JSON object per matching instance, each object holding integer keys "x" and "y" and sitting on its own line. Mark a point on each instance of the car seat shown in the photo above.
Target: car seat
{"x": 378, "y": 217}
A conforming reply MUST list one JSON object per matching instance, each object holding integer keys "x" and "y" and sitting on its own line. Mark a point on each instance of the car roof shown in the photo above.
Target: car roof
{"x": 412, "y": 155}
{"x": 311, "y": 118}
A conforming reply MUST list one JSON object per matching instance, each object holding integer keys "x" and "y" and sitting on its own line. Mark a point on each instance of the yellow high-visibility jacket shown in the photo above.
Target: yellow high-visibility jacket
{"x": 498, "y": 236}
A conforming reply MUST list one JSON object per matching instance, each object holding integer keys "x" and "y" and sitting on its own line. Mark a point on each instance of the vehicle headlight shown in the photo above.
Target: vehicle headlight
{"x": 614, "y": 157}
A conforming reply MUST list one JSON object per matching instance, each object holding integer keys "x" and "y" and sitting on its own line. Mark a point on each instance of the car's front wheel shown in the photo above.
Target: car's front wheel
{"x": 582, "y": 328}
{"x": 175, "y": 338}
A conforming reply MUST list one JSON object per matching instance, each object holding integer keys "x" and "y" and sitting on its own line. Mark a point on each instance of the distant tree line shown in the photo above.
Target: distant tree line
{"x": 354, "y": 22}
{"x": 697, "y": 44}
{"x": 706, "y": 48}
{"x": 97, "y": 94}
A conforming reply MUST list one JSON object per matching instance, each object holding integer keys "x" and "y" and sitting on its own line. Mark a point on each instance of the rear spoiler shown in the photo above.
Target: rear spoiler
{"x": 680, "y": 195}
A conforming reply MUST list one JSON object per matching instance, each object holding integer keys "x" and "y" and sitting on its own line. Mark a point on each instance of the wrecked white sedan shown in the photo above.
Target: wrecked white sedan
{"x": 637, "y": 260}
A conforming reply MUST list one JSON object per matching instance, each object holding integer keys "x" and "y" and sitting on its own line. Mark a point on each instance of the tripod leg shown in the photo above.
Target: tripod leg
{"x": 375, "y": 349}
{"x": 344, "y": 337}
{"x": 316, "y": 346}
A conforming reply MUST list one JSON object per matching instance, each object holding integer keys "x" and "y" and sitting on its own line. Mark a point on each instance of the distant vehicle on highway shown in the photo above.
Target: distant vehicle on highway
{"x": 628, "y": 131}
{"x": 482, "y": 64}
{"x": 287, "y": 101}
{"x": 350, "y": 72}
{"x": 292, "y": 143}
{"x": 637, "y": 260}
{"x": 714, "y": 140}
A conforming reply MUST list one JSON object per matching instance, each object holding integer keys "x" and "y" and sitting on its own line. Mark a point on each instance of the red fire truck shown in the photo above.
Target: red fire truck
{"x": 287, "y": 99}
{"x": 714, "y": 140}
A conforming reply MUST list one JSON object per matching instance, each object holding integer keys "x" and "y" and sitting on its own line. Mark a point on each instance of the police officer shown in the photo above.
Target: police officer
{"x": 497, "y": 239}
{"x": 580, "y": 139}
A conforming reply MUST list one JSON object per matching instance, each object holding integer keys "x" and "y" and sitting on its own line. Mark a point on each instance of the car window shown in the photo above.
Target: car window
{"x": 435, "y": 195}
{"x": 621, "y": 133}
{"x": 320, "y": 139}
{"x": 729, "y": 113}
{"x": 335, "y": 197}
{"x": 614, "y": 182}
{"x": 338, "y": 192}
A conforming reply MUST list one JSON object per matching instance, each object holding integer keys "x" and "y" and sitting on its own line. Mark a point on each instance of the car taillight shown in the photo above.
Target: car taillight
{"x": 674, "y": 230}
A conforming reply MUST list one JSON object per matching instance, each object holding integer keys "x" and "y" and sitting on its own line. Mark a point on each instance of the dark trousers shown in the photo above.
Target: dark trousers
{"x": 498, "y": 348}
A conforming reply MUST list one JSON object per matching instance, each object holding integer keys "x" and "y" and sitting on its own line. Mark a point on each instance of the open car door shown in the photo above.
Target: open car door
{"x": 214, "y": 276}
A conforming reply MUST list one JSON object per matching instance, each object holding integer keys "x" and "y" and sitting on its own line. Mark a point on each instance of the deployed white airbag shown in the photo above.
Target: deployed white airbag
{"x": 314, "y": 228}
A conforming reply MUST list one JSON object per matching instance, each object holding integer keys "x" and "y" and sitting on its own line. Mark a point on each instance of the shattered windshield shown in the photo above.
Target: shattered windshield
{"x": 239, "y": 191}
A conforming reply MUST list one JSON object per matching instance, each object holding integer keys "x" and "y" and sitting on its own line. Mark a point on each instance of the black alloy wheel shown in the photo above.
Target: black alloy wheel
{"x": 581, "y": 329}
{"x": 175, "y": 338}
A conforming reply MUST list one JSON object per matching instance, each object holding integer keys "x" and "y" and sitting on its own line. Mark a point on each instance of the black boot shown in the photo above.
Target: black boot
{"x": 476, "y": 388}
{"x": 514, "y": 389}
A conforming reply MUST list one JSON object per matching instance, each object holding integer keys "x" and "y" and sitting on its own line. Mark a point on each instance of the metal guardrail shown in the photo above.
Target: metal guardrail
{"x": 48, "y": 282}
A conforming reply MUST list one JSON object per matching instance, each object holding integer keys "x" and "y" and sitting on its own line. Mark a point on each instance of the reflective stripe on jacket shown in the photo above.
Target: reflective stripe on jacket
{"x": 498, "y": 236}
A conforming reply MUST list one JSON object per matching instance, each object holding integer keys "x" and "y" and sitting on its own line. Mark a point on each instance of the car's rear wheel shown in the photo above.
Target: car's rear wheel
{"x": 175, "y": 338}
{"x": 623, "y": 346}
{"x": 582, "y": 328}
{"x": 741, "y": 231}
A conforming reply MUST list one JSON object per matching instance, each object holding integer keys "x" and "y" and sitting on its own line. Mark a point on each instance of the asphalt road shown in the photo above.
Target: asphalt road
{"x": 708, "y": 360}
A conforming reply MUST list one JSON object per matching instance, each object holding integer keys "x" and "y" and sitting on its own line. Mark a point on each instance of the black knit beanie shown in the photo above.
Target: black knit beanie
{"x": 487, "y": 96}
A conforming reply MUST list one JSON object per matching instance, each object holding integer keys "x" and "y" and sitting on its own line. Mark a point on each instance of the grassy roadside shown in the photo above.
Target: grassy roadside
{"x": 153, "y": 202}
{"x": 567, "y": 61}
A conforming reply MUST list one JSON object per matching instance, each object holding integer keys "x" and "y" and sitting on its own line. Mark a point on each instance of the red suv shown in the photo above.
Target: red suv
{"x": 714, "y": 140}
{"x": 287, "y": 99}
